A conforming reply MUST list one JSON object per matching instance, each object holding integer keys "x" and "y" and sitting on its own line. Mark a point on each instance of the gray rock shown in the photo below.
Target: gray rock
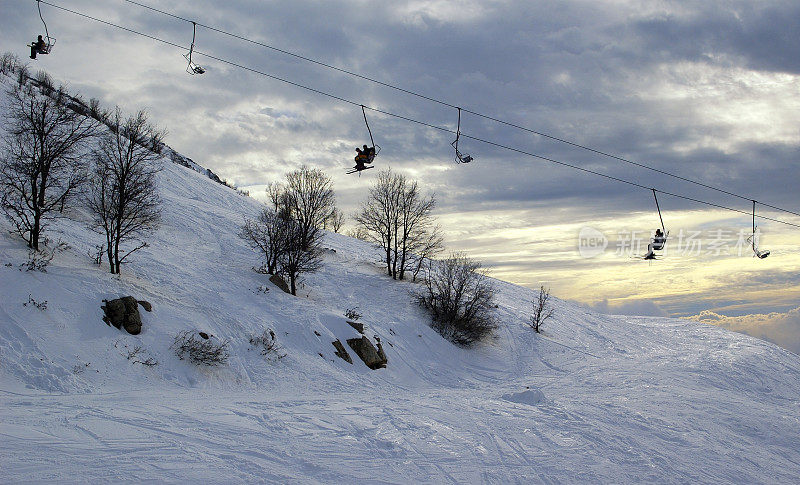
{"x": 341, "y": 352}
{"x": 367, "y": 352}
{"x": 278, "y": 281}
{"x": 357, "y": 325}
{"x": 123, "y": 313}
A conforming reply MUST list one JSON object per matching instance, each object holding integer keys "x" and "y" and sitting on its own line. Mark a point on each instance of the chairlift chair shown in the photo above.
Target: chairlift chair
{"x": 50, "y": 42}
{"x": 375, "y": 148}
{"x": 460, "y": 157}
{"x": 191, "y": 67}
{"x": 760, "y": 254}
{"x": 374, "y": 153}
{"x": 658, "y": 242}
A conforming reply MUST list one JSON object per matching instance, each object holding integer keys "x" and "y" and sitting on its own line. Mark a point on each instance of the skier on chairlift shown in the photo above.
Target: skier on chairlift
{"x": 657, "y": 244}
{"x": 38, "y": 47}
{"x": 370, "y": 153}
{"x": 362, "y": 158}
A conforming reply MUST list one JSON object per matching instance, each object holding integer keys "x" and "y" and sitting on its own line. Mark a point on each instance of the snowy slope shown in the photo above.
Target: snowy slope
{"x": 594, "y": 399}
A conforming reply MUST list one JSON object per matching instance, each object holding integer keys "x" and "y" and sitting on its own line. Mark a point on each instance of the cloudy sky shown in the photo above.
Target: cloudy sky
{"x": 708, "y": 90}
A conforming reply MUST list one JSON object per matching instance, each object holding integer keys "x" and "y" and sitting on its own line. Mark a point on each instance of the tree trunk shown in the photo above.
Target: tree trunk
{"x": 37, "y": 224}
{"x": 110, "y": 254}
{"x": 34, "y": 242}
{"x": 116, "y": 257}
{"x": 403, "y": 260}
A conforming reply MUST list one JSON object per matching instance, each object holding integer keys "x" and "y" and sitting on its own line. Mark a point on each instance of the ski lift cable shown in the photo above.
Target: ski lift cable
{"x": 412, "y": 120}
{"x": 367, "y": 123}
{"x": 664, "y": 229}
{"x": 458, "y": 130}
{"x": 46, "y": 32}
{"x": 444, "y": 103}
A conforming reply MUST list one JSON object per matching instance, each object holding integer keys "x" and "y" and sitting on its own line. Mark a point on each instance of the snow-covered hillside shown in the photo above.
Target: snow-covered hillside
{"x": 595, "y": 398}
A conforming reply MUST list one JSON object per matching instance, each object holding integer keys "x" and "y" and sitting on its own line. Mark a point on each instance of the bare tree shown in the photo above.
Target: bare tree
{"x": 287, "y": 244}
{"x": 459, "y": 298}
{"x": 425, "y": 248}
{"x": 309, "y": 193}
{"x": 415, "y": 223}
{"x": 541, "y": 309}
{"x": 378, "y": 214}
{"x": 275, "y": 191}
{"x": 123, "y": 195}
{"x": 42, "y": 163}
{"x": 298, "y": 256}
{"x": 9, "y": 63}
{"x": 398, "y": 218}
{"x": 265, "y": 234}
{"x": 360, "y": 233}
{"x": 335, "y": 222}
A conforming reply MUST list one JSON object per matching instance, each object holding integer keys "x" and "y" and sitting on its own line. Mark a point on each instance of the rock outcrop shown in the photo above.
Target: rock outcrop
{"x": 278, "y": 281}
{"x": 358, "y": 326}
{"x": 124, "y": 313}
{"x": 368, "y": 353}
{"x": 341, "y": 352}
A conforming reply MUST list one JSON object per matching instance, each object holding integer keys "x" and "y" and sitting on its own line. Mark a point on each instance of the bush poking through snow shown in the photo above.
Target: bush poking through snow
{"x": 459, "y": 298}
{"x": 353, "y": 314}
{"x": 39, "y": 260}
{"x": 41, "y": 305}
{"x": 137, "y": 355}
{"x": 267, "y": 345}
{"x": 541, "y": 309}
{"x": 189, "y": 345}
{"x": 97, "y": 255}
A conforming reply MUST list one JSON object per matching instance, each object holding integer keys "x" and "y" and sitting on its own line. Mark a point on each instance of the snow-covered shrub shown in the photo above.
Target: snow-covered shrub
{"x": 459, "y": 298}
{"x": 97, "y": 255}
{"x": 352, "y": 314}
{"x": 41, "y": 305}
{"x": 267, "y": 345}
{"x": 190, "y": 345}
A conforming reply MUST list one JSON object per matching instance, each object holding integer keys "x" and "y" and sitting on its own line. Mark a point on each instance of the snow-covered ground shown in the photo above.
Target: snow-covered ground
{"x": 595, "y": 398}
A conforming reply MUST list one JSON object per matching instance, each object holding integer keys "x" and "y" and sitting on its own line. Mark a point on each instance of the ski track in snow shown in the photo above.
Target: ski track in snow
{"x": 594, "y": 398}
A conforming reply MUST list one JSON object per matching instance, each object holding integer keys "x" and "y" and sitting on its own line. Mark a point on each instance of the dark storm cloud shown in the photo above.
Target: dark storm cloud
{"x": 758, "y": 35}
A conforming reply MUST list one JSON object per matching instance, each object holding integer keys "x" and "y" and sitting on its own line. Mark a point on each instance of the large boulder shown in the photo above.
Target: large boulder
{"x": 367, "y": 352}
{"x": 278, "y": 281}
{"x": 123, "y": 313}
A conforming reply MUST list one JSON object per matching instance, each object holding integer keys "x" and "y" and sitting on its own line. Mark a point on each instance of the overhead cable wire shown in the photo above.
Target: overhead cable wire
{"x": 475, "y": 113}
{"x": 412, "y": 120}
